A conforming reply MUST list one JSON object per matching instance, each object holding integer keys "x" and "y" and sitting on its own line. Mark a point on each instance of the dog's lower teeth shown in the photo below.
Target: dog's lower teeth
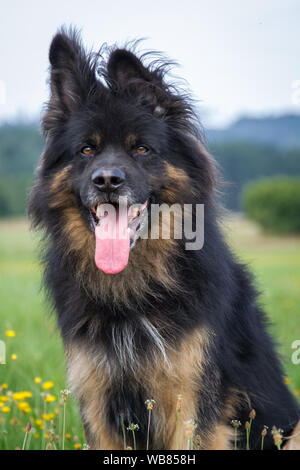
{"x": 98, "y": 211}
{"x": 134, "y": 212}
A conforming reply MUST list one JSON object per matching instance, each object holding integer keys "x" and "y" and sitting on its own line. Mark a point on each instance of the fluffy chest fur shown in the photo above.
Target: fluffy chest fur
{"x": 111, "y": 396}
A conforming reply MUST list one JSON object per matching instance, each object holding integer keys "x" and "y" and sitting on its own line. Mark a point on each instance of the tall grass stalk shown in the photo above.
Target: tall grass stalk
{"x": 263, "y": 434}
{"x": 198, "y": 442}
{"x": 27, "y": 432}
{"x": 148, "y": 429}
{"x": 133, "y": 427}
{"x": 24, "y": 441}
{"x": 149, "y": 404}
{"x": 63, "y": 427}
{"x": 134, "y": 441}
{"x": 44, "y": 423}
{"x": 248, "y": 425}
{"x": 190, "y": 427}
{"x": 64, "y": 395}
{"x": 236, "y": 424}
{"x": 29, "y": 441}
{"x": 178, "y": 409}
{"x": 277, "y": 437}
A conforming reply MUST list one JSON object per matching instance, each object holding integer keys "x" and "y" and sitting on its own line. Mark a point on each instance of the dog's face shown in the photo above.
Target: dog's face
{"x": 114, "y": 150}
{"x": 115, "y": 145}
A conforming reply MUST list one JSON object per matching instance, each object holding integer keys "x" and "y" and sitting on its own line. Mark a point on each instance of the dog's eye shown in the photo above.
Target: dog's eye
{"x": 87, "y": 151}
{"x": 142, "y": 149}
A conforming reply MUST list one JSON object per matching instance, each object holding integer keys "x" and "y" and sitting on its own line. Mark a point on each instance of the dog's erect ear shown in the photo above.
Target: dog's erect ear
{"x": 123, "y": 66}
{"x": 126, "y": 73}
{"x": 72, "y": 75}
{"x": 145, "y": 85}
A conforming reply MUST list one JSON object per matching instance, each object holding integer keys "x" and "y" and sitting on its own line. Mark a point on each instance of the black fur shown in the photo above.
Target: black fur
{"x": 216, "y": 291}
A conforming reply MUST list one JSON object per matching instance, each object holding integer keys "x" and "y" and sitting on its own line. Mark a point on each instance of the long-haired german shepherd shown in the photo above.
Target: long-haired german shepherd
{"x": 143, "y": 317}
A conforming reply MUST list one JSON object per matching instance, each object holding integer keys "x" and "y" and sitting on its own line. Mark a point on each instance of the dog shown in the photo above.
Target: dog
{"x": 143, "y": 319}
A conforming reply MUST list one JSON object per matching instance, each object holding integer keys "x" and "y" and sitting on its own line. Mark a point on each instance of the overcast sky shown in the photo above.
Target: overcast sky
{"x": 238, "y": 56}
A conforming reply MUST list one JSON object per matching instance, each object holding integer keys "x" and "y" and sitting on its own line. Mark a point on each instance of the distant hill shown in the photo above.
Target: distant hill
{"x": 282, "y": 131}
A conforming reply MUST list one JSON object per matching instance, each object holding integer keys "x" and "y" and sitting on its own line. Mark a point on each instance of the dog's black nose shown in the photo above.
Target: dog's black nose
{"x": 108, "y": 179}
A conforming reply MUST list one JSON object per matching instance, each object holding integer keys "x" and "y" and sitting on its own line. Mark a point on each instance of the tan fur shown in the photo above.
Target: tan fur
{"x": 178, "y": 183}
{"x": 60, "y": 190}
{"x": 182, "y": 378}
{"x": 90, "y": 385}
{"x": 150, "y": 260}
{"x": 163, "y": 382}
{"x": 96, "y": 139}
{"x": 221, "y": 437}
{"x": 293, "y": 442}
{"x": 130, "y": 141}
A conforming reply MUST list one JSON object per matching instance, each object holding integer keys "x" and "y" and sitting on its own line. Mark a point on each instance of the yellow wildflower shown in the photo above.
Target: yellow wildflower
{"x": 10, "y": 333}
{"x": 287, "y": 380}
{"x": 39, "y": 423}
{"x": 3, "y": 398}
{"x": 38, "y": 380}
{"x": 18, "y": 396}
{"x": 1, "y": 404}
{"x": 36, "y": 435}
{"x": 50, "y": 398}
{"x": 14, "y": 357}
{"x": 24, "y": 406}
{"x": 4, "y": 386}
{"x": 47, "y": 385}
{"x": 56, "y": 411}
{"x": 5, "y": 409}
{"x": 77, "y": 446}
{"x": 48, "y": 416}
{"x": 68, "y": 436}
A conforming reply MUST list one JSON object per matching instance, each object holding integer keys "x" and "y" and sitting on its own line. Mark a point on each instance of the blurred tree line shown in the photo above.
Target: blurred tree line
{"x": 274, "y": 203}
{"x": 20, "y": 148}
{"x": 240, "y": 162}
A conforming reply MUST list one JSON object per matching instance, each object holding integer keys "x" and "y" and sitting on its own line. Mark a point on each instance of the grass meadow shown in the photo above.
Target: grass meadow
{"x": 33, "y": 377}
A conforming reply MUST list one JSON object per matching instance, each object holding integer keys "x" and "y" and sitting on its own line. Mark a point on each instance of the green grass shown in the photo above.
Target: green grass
{"x": 275, "y": 262}
{"x": 37, "y": 342}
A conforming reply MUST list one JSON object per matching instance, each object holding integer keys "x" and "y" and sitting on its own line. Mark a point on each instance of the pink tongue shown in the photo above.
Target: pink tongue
{"x": 112, "y": 242}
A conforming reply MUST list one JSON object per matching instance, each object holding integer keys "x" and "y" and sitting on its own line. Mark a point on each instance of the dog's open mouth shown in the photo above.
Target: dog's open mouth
{"x": 117, "y": 229}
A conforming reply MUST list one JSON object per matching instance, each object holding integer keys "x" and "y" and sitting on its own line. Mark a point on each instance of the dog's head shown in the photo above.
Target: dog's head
{"x": 117, "y": 137}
